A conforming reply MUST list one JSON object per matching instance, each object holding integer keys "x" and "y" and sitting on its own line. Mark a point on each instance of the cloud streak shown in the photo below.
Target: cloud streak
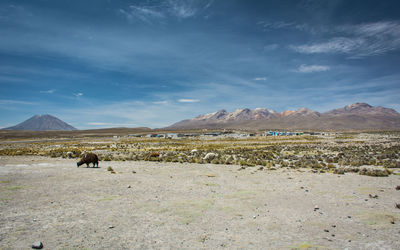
{"x": 188, "y": 100}
{"x": 107, "y": 124}
{"x": 16, "y": 102}
{"x": 359, "y": 41}
{"x": 260, "y": 78}
{"x": 50, "y": 91}
{"x": 312, "y": 68}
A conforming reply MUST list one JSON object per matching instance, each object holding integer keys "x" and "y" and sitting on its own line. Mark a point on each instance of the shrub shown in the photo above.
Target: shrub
{"x": 107, "y": 158}
{"x": 378, "y": 172}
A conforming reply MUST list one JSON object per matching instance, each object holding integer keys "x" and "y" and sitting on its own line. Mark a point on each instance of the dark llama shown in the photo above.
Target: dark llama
{"x": 89, "y": 158}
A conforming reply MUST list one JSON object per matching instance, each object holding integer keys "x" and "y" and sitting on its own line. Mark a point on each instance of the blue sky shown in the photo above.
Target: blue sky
{"x": 113, "y": 63}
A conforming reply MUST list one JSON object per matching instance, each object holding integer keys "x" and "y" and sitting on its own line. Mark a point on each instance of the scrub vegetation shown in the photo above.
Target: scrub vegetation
{"x": 374, "y": 154}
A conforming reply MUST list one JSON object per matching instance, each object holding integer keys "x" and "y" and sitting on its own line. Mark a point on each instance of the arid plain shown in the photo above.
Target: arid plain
{"x": 331, "y": 191}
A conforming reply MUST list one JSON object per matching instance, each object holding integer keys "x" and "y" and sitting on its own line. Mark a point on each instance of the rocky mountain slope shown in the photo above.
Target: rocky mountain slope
{"x": 357, "y": 116}
{"x": 41, "y": 123}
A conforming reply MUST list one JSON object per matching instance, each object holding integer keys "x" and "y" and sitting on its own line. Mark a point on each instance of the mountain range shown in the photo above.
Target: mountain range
{"x": 41, "y": 123}
{"x": 357, "y": 116}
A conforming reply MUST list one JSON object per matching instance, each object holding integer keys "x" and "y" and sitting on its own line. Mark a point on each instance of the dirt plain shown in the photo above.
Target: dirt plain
{"x": 152, "y": 205}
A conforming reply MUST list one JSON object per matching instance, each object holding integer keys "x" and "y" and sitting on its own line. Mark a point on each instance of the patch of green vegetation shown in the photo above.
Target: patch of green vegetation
{"x": 365, "y": 190}
{"x": 111, "y": 170}
{"x": 190, "y": 210}
{"x": 306, "y": 245}
{"x": 378, "y": 218}
{"x": 73, "y": 248}
{"x": 13, "y": 188}
{"x": 242, "y": 194}
{"x": 108, "y": 198}
{"x": 211, "y": 184}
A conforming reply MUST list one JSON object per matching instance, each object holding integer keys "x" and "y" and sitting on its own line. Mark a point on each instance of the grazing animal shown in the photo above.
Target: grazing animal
{"x": 89, "y": 158}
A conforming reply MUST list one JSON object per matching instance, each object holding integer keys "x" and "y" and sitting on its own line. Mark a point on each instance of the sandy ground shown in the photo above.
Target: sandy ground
{"x": 191, "y": 206}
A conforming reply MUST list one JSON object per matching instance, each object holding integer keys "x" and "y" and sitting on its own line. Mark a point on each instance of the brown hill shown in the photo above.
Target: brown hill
{"x": 42, "y": 123}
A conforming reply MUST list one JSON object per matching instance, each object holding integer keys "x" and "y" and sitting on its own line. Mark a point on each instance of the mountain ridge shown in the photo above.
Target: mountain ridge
{"x": 357, "y": 116}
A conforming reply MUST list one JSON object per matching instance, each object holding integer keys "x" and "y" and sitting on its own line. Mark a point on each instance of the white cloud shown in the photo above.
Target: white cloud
{"x": 78, "y": 94}
{"x": 188, "y": 100}
{"x": 260, "y": 78}
{"x": 311, "y": 68}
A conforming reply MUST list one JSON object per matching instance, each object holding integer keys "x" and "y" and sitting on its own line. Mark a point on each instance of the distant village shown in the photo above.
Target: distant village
{"x": 227, "y": 134}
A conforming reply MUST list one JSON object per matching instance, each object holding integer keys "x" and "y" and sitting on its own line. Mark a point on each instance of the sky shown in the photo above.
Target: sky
{"x": 121, "y": 63}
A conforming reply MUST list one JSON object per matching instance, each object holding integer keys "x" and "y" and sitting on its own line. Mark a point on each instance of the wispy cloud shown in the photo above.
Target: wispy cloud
{"x": 188, "y": 100}
{"x": 143, "y": 13}
{"x": 16, "y": 102}
{"x": 311, "y": 68}
{"x": 107, "y": 124}
{"x": 50, "y": 91}
{"x": 278, "y": 25}
{"x": 160, "y": 102}
{"x": 78, "y": 94}
{"x": 271, "y": 47}
{"x": 264, "y": 78}
{"x": 360, "y": 40}
{"x": 339, "y": 44}
{"x": 180, "y": 9}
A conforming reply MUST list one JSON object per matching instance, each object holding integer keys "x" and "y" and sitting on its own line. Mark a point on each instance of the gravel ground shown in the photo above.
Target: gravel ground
{"x": 150, "y": 205}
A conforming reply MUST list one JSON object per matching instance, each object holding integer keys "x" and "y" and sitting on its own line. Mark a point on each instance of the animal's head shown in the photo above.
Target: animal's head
{"x": 78, "y": 164}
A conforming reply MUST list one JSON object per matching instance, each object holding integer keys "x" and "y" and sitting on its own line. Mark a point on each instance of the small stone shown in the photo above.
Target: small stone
{"x": 374, "y": 196}
{"x": 397, "y": 187}
{"x": 397, "y": 205}
{"x": 37, "y": 245}
{"x": 333, "y": 225}
{"x": 333, "y": 235}
{"x": 316, "y": 208}
{"x": 129, "y": 186}
{"x": 349, "y": 217}
{"x": 133, "y": 172}
{"x": 110, "y": 227}
{"x": 326, "y": 230}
